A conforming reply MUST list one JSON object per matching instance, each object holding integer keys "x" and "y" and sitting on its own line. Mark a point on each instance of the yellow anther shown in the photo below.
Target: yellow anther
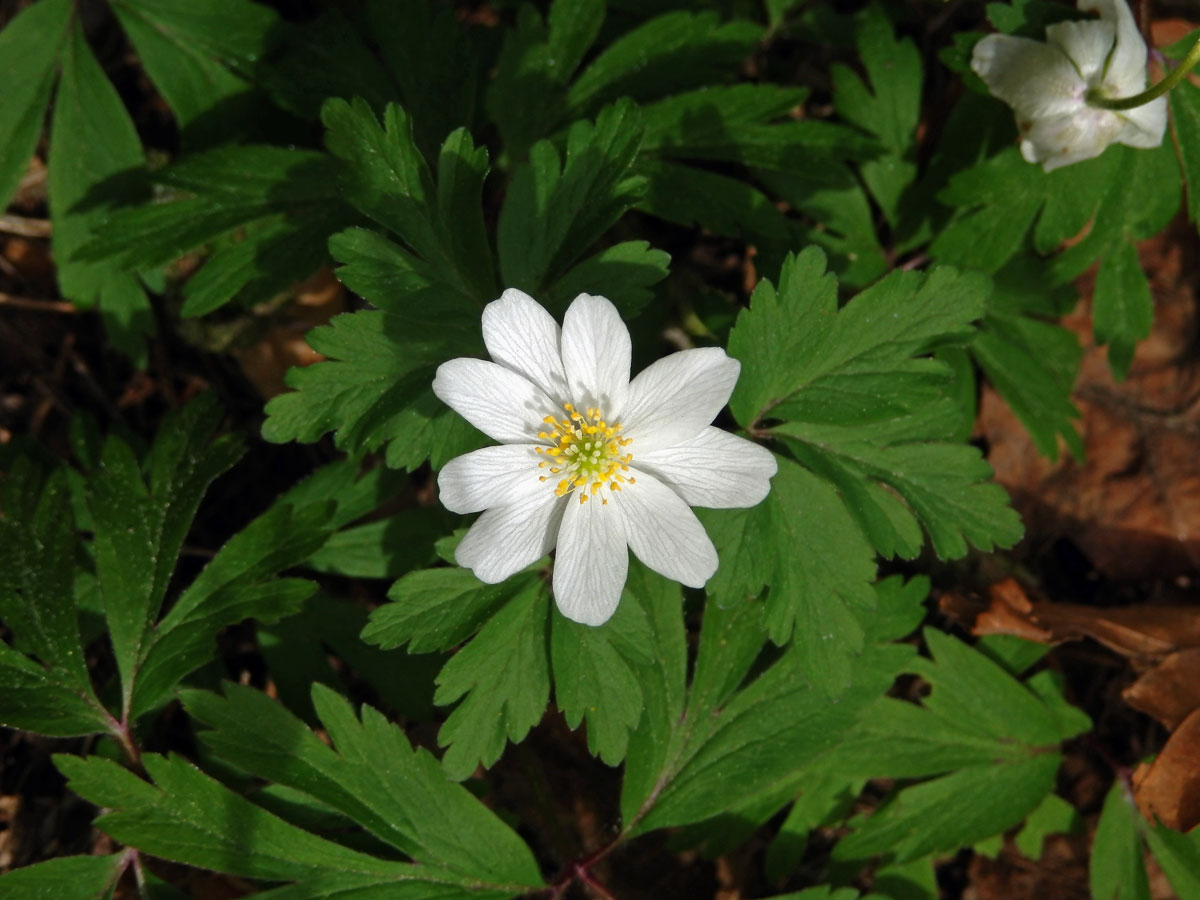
{"x": 587, "y": 451}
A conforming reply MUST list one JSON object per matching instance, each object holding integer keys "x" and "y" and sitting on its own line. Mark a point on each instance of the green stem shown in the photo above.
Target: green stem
{"x": 1151, "y": 93}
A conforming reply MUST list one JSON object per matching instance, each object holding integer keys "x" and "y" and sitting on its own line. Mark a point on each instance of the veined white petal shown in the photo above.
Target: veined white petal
{"x": 592, "y": 561}
{"x": 505, "y": 539}
{"x": 672, "y": 399}
{"x": 596, "y": 353}
{"x": 1061, "y": 140}
{"x": 1144, "y": 126}
{"x": 714, "y": 469}
{"x": 491, "y": 476}
{"x": 1035, "y": 79}
{"x": 1126, "y": 71}
{"x": 1086, "y": 44}
{"x": 664, "y": 533}
{"x": 505, "y": 406}
{"x": 522, "y": 336}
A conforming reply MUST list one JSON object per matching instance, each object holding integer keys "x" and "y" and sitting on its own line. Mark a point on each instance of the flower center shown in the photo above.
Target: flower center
{"x": 587, "y": 453}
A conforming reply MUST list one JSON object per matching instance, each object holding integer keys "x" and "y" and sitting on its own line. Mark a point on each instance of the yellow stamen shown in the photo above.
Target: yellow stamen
{"x": 590, "y": 453}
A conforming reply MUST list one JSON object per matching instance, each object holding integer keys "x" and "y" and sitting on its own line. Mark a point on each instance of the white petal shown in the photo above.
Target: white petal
{"x": 522, "y": 336}
{"x": 1035, "y": 79}
{"x": 714, "y": 469}
{"x": 505, "y": 539}
{"x": 1144, "y": 126}
{"x": 671, "y": 400}
{"x": 1126, "y": 72}
{"x": 492, "y": 476}
{"x": 1061, "y": 140}
{"x": 502, "y": 404}
{"x": 664, "y": 533}
{"x": 592, "y": 561}
{"x": 1086, "y": 44}
{"x": 596, "y": 353}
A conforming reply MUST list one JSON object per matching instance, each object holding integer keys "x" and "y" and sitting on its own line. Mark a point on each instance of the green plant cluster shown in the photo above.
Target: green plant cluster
{"x": 903, "y": 251}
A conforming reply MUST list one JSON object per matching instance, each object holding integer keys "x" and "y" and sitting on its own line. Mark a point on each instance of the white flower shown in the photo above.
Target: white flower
{"x": 1048, "y": 85}
{"x": 589, "y": 461}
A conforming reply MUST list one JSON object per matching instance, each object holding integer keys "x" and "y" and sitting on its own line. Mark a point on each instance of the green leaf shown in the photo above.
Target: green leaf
{"x": 822, "y": 797}
{"x": 955, "y": 810}
{"x": 297, "y": 651}
{"x": 436, "y": 64}
{"x": 733, "y": 124}
{"x": 265, "y": 211}
{"x": 50, "y": 693}
{"x": 623, "y": 273}
{"x": 669, "y": 53}
{"x": 29, "y": 47}
{"x": 526, "y": 98}
{"x": 694, "y": 122}
{"x": 793, "y": 337}
{"x": 1002, "y": 197}
{"x": 997, "y": 738}
{"x": 694, "y": 197}
{"x": 664, "y": 688}
{"x": 355, "y": 493}
{"x": 1028, "y": 18}
{"x": 37, "y": 548}
{"x": 95, "y": 165}
{"x": 386, "y": 548}
{"x": 401, "y": 283}
{"x": 1053, "y": 815}
{"x": 192, "y": 53}
{"x": 814, "y": 591}
{"x": 436, "y": 609}
{"x": 1179, "y": 856}
{"x": 64, "y": 878}
{"x": 976, "y": 715}
{"x": 34, "y": 699}
{"x": 553, "y": 212}
{"x": 503, "y": 679}
{"x": 833, "y": 195}
{"x": 1021, "y": 357}
{"x": 861, "y": 412}
{"x": 407, "y": 803}
{"x": 266, "y": 257}
{"x": 597, "y": 675}
{"x": 375, "y": 388}
{"x": 238, "y": 583}
{"x": 142, "y": 515}
{"x": 188, "y": 817}
{"x": 1185, "y": 113}
{"x": 327, "y": 55}
{"x": 732, "y": 744}
{"x": 1121, "y": 196}
{"x": 386, "y": 178}
{"x": 889, "y": 108}
{"x": 1116, "y": 870}
{"x": 1122, "y": 308}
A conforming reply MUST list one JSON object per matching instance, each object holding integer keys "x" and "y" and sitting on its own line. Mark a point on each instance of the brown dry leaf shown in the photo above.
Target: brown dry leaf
{"x": 1169, "y": 788}
{"x": 1133, "y": 507}
{"x": 1145, "y": 633}
{"x": 1060, "y": 873}
{"x": 1169, "y": 691}
{"x": 317, "y": 300}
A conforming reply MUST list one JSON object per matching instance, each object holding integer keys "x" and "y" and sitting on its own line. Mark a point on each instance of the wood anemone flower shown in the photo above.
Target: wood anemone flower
{"x": 591, "y": 462}
{"x": 1052, "y": 86}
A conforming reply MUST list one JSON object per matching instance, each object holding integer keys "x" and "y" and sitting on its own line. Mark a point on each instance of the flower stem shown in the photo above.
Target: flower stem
{"x": 1151, "y": 93}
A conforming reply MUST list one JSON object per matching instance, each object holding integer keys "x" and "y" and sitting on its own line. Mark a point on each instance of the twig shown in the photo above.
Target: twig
{"x": 38, "y": 305}
{"x": 25, "y": 227}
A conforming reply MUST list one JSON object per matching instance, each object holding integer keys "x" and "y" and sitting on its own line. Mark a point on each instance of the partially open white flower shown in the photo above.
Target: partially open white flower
{"x": 1048, "y": 85}
{"x": 589, "y": 461}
